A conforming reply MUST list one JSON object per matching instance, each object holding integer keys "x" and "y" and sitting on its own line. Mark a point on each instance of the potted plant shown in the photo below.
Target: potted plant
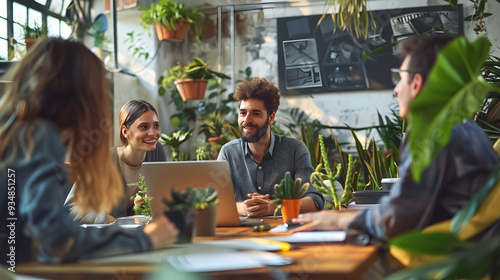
{"x": 190, "y": 79}
{"x": 193, "y": 211}
{"x": 205, "y": 204}
{"x": 171, "y": 19}
{"x": 174, "y": 140}
{"x": 179, "y": 211}
{"x": 141, "y": 199}
{"x": 287, "y": 195}
{"x": 32, "y": 34}
{"x": 318, "y": 178}
{"x": 212, "y": 125}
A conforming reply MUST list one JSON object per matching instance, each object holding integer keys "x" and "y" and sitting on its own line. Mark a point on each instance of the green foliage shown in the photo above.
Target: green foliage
{"x": 168, "y": 13}
{"x": 375, "y": 165}
{"x": 202, "y": 153}
{"x": 195, "y": 69}
{"x": 351, "y": 181}
{"x": 289, "y": 189}
{"x": 432, "y": 243}
{"x": 491, "y": 70}
{"x": 317, "y": 177}
{"x": 468, "y": 262}
{"x": 174, "y": 140}
{"x": 342, "y": 159}
{"x": 141, "y": 199}
{"x": 463, "y": 259}
{"x": 309, "y": 136}
{"x": 390, "y": 130}
{"x": 352, "y": 15}
{"x": 247, "y": 73}
{"x": 34, "y": 32}
{"x": 212, "y": 124}
{"x": 135, "y": 43}
{"x": 295, "y": 119}
{"x": 191, "y": 198}
{"x": 432, "y": 116}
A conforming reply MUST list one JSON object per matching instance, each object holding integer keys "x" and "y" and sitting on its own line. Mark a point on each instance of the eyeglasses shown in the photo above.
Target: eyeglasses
{"x": 396, "y": 75}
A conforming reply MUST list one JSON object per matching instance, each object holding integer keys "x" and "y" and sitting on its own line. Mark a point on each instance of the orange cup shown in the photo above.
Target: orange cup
{"x": 290, "y": 209}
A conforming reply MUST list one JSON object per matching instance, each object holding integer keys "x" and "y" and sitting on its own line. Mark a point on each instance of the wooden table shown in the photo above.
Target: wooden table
{"x": 311, "y": 261}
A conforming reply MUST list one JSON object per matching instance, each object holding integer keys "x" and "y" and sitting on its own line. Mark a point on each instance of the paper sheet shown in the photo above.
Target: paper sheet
{"x": 313, "y": 236}
{"x": 242, "y": 244}
{"x": 220, "y": 261}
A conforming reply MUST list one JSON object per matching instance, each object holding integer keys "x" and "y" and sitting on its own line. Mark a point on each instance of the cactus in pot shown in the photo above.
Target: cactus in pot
{"x": 287, "y": 195}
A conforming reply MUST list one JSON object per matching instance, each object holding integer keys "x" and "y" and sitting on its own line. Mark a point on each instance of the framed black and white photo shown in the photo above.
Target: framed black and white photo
{"x": 319, "y": 59}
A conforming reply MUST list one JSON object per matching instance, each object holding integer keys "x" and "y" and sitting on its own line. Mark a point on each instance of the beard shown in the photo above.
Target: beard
{"x": 252, "y": 138}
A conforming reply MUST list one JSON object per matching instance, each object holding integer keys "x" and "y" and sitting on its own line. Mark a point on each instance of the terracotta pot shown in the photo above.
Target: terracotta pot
{"x": 191, "y": 88}
{"x": 205, "y": 221}
{"x": 241, "y": 25}
{"x": 165, "y": 34}
{"x": 290, "y": 209}
{"x": 29, "y": 43}
{"x": 184, "y": 221}
{"x": 216, "y": 140}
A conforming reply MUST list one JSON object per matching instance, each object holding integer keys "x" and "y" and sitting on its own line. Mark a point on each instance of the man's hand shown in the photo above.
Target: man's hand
{"x": 257, "y": 205}
{"x": 325, "y": 220}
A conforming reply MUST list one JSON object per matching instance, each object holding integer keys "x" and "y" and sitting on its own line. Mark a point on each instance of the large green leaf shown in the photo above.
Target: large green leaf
{"x": 472, "y": 262}
{"x": 435, "y": 243}
{"x": 454, "y": 91}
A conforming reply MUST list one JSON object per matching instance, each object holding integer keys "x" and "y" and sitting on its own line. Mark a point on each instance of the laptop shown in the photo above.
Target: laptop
{"x": 161, "y": 177}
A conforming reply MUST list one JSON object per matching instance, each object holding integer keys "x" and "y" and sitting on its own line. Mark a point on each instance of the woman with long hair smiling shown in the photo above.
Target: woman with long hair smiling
{"x": 139, "y": 134}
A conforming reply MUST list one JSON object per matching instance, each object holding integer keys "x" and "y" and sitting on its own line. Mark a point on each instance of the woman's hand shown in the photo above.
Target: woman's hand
{"x": 162, "y": 232}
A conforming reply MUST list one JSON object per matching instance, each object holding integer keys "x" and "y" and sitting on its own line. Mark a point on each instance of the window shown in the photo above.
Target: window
{"x": 16, "y": 13}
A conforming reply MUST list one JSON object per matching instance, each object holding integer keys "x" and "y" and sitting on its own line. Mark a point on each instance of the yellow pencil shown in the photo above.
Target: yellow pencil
{"x": 284, "y": 246}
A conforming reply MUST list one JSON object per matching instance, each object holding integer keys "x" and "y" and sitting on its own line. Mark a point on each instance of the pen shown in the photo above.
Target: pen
{"x": 284, "y": 246}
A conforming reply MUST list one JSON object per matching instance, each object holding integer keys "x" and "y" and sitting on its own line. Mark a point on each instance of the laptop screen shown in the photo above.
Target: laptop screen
{"x": 161, "y": 177}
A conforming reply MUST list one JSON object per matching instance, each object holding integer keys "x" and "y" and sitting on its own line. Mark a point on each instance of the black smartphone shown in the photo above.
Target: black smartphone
{"x": 291, "y": 225}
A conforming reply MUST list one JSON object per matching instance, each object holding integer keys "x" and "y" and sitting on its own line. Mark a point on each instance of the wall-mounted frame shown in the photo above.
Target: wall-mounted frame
{"x": 315, "y": 59}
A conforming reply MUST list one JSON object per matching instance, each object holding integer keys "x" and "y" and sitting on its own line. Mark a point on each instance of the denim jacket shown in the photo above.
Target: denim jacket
{"x": 40, "y": 217}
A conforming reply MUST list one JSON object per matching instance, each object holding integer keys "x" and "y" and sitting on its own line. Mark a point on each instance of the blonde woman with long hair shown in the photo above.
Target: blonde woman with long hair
{"x": 57, "y": 108}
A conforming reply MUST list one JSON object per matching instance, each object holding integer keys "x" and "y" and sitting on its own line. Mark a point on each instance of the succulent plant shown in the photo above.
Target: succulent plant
{"x": 191, "y": 198}
{"x": 288, "y": 189}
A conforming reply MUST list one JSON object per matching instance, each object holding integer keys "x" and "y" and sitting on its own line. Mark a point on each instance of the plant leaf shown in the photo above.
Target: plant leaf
{"x": 431, "y": 243}
{"x": 441, "y": 105}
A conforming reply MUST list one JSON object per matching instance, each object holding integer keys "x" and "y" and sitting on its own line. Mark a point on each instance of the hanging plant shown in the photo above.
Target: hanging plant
{"x": 349, "y": 15}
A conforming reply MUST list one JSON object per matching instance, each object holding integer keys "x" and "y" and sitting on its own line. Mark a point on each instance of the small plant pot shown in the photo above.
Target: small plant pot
{"x": 369, "y": 196}
{"x": 170, "y": 35}
{"x": 219, "y": 140}
{"x": 388, "y": 182}
{"x": 184, "y": 221}
{"x": 29, "y": 43}
{"x": 290, "y": 209}
{"x": 205, "y": 221}
{"x": 191, "y": 88}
